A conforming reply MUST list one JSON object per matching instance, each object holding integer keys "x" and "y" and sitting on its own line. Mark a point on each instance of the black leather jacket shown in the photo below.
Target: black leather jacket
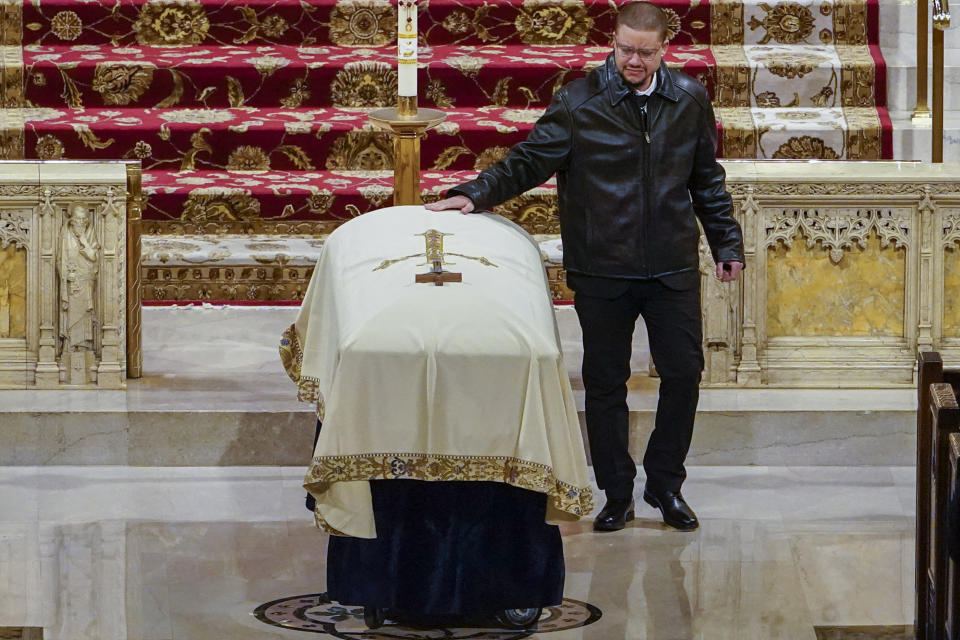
{"x": 626, "y": 205}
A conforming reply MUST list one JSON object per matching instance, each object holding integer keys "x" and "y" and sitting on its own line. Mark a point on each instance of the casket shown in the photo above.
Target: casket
{"x": 464, "y": 381}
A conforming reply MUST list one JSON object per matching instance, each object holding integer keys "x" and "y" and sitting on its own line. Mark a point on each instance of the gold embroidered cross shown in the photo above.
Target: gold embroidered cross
{"x": 436, "y": 258}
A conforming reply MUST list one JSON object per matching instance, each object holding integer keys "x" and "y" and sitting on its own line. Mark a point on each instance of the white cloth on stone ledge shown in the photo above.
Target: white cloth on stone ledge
{"x": 464, "y": 381}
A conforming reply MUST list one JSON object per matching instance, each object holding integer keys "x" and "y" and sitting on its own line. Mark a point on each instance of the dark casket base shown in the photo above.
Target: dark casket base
{"x": 450, "y": 549}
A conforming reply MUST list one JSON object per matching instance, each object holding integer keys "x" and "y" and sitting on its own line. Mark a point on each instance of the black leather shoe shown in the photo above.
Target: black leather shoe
{"x": 676, "y": 512}
{"x": 615, "y": 515}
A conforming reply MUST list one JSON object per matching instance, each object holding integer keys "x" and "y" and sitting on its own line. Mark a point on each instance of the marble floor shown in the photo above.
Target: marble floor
{"x": 183, "y": 541}
{"x": 214, "y": 393}
{"x": 185, "y": 553}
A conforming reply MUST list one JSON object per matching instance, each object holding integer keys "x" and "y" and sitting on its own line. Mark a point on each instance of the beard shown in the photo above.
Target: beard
{"x": 636, "y": 86}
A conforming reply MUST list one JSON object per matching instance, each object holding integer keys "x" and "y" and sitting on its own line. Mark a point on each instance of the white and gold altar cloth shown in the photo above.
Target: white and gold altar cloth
{"x": 464, "y": 381}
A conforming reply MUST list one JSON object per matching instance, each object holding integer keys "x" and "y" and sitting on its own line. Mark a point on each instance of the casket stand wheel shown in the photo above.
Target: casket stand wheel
{"x": 374, "y": 617}
{"x": 519, "y": 618}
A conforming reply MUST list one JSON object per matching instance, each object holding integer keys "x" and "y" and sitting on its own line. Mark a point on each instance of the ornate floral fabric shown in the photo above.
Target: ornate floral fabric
{"x": 251, "y": 116}
{"x": 373, "y": 22}
{"x": 211, "y": 200}
{"x": 173, "y": 22}
{"x": 325, "y": 470}
{"x": 804, "y": 133}
{"x": 221, "y": 267}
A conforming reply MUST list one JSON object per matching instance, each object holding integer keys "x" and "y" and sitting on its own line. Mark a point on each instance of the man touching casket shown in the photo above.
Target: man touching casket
{"x": 633, "y": 146}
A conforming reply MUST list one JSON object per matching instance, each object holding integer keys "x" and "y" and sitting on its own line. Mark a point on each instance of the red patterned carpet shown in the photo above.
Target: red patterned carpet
{"x": 250, "y": 115}
{"x": 251, "y": 111}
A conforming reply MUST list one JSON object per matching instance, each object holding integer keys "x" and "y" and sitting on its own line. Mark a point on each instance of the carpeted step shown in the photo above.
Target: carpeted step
{"x": 314, "y": 201}
{"x": 467, "y": 22}
{"x": 192, "y": 77}
{"x": 851, "y": 133}
{"x": 451, "y": 76}
{"x": 258, "y": 140}
{"x": 217, "y": 201}
{"x": 267, "y": 76}
{"x": 309, "y": 200}
{"x": 345, "y": 23}
{"x": 302, "y": 201}
{"x": 812, "y": 76}
{"x": 174, "y": 23}
{"x": 257, "y": 268}
{"x": 219, "y": 267}
{"x": 590, "y": 22}
{"x": 266, "y": 138}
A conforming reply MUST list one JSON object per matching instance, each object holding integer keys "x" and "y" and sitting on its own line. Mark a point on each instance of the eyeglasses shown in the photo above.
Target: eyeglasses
{"x": 629, "y": 52}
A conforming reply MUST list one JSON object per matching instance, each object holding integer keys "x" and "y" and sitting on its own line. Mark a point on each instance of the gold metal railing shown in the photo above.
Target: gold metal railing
{"x": 922, "y": 114}
{"x": 941, "y": 22}
{"x": 134, "y": 288}
{"x": 941, "y": 14}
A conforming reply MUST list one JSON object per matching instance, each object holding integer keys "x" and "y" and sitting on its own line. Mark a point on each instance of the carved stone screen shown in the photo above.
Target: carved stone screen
{"x": 851, "y": 261}
{"x": 851, "y": 269}
{"x": 62, "y": 275}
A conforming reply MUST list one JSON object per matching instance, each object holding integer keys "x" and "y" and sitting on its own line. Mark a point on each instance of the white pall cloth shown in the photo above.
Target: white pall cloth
{"x": 464, "y": 381}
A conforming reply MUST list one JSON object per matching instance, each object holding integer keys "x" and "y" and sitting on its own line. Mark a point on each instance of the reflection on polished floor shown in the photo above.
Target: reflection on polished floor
{"x": 151, "y": 549}
{"x": 189, "y": 553}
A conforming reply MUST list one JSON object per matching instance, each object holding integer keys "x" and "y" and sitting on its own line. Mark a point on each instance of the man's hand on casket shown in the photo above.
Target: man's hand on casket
{"x": 463, "y": 203}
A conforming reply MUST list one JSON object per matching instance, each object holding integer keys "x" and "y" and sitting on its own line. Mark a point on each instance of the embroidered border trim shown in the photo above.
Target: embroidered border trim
{"x": 291, "y": 355}
{"x": 524, "y": 474}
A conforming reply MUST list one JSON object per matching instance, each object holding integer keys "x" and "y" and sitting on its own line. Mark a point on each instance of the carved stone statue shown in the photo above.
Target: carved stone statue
{"x": 77, "y": 267}
{"x": 717, "y": 305}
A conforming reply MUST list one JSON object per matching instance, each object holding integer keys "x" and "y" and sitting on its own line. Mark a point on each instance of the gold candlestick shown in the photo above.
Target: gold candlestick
{"x": 406, "y": 106}
{"x": 408, "y": 124}
{"x": 406, "y": 121}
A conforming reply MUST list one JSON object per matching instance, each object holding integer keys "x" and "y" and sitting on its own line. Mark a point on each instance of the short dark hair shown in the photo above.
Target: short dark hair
{"x": 643, "y": 16}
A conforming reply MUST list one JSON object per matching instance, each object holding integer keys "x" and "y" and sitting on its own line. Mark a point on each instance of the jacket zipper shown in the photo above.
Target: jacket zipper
{"x": 646, "y": 187}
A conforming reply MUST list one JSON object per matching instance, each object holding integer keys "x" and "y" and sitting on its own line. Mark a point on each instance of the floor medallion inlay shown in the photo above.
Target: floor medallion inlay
{"x": 315, "y": 613}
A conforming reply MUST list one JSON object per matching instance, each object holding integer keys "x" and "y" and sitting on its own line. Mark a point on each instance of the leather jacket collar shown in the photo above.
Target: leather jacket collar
{"x": 617, "y": 88}
{"x": 628, "y": 199}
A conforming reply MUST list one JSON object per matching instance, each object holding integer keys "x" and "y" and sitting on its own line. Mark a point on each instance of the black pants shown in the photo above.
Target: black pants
{"x": 674, "y": 328}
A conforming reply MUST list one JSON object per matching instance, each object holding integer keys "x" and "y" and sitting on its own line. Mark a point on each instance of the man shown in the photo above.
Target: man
{"x": 633, "y": 146}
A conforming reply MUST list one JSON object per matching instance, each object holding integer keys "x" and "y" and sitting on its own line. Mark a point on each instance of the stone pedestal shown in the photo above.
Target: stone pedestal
{"x": 80, "y": 367}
